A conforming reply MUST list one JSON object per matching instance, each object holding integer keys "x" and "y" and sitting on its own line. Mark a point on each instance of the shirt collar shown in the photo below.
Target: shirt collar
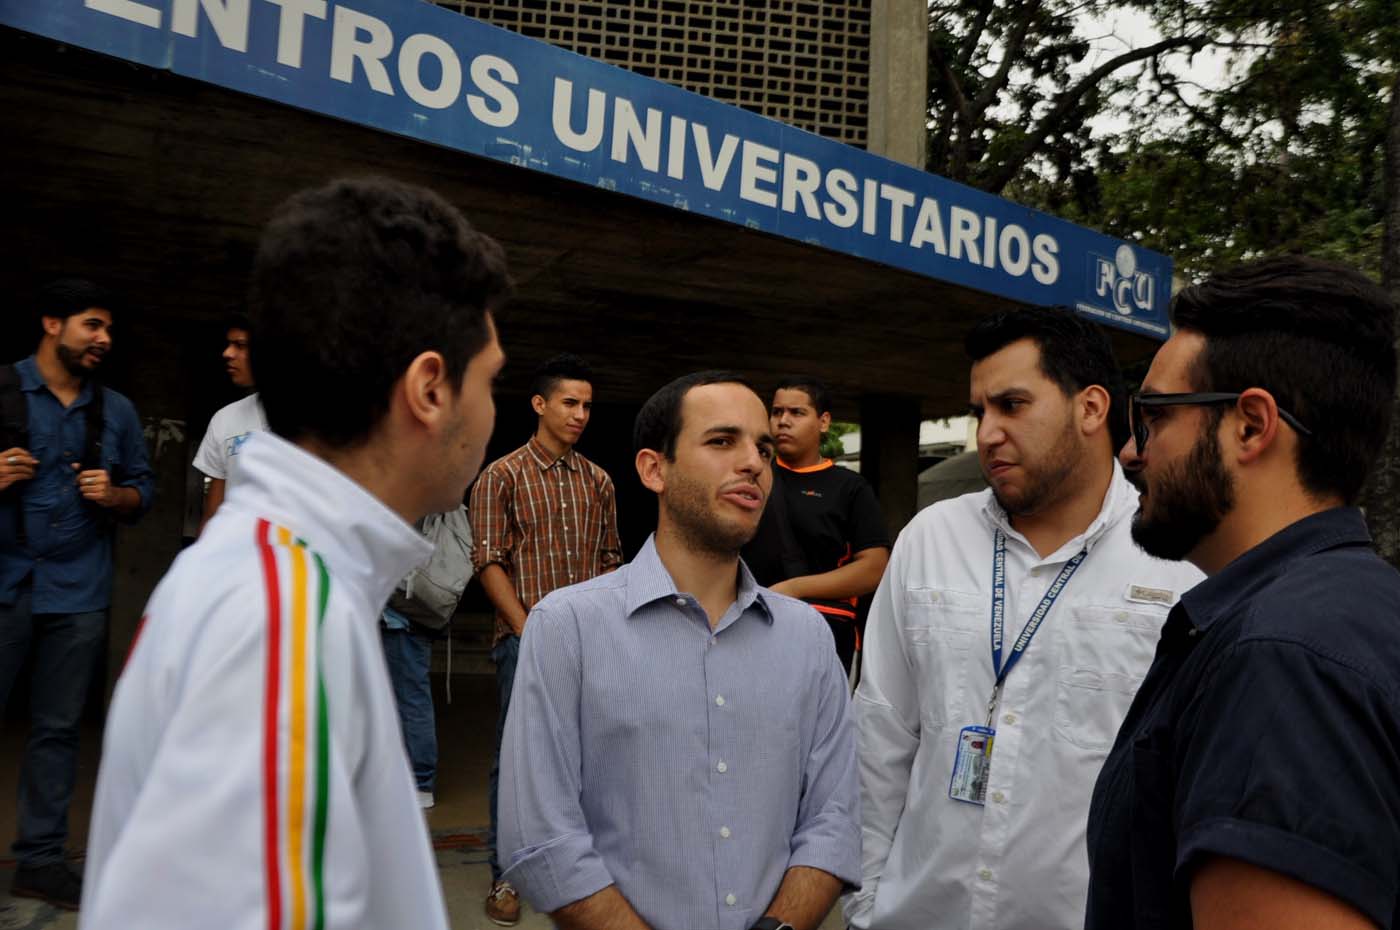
{"x": 1120, "y": 502}
{"x": 367, "y": 545}
{"x": 30, "y": 381}
{"x": 649, "y": 581}
{"x": 1222, "y": 592}
{"x": 541, "y": 456}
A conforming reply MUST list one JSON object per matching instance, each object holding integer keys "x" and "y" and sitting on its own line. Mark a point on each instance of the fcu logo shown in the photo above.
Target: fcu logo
{"x": 1121, "y": 282}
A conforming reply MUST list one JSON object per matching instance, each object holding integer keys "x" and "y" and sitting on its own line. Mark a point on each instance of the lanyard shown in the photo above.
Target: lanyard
{"x": 999, "y": 615}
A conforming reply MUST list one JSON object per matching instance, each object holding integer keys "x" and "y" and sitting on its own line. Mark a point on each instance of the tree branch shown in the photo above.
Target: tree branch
{"x": 1035, "y": 139}
{"x": 1010, "y": 56}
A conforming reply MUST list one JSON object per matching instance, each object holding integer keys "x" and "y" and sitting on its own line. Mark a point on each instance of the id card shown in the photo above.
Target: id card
{"x": 971, "y": 765}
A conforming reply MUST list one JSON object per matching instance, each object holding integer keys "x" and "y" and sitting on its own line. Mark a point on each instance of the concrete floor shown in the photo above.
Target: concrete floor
{"x": 458, "y": 822}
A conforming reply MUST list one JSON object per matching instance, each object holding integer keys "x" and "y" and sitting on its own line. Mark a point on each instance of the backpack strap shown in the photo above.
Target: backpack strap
{"x": 14, "y": 433}
{"x": 14, "y": 410}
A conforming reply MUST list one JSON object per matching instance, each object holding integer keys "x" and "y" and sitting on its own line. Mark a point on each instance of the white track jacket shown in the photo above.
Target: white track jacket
{"x": 253, "y": 774}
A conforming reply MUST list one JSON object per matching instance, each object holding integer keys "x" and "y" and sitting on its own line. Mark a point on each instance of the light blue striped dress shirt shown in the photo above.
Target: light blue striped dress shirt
{"x": 690, "y": 768}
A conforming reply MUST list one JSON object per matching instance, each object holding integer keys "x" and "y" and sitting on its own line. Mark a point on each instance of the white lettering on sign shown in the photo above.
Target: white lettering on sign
{"x": 628, "y": 131}
{"x": 790, "y": 177}
{"x": 492, "y": 76}
{"x": 291, "y": 27}
{"x": 411, "y": 54}
{"x": 127, "y": 9}
{"x": 592, "y": 135}
{"x": 347, "y": 48}
{"x": 758, "y": 165}
{"x": 228, "y": 17}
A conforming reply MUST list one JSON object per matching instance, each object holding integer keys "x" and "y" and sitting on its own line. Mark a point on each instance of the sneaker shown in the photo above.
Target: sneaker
{"x": 57, "y": 883}
{"x": 503, "y": 905}
{"x": 426, "y": 800}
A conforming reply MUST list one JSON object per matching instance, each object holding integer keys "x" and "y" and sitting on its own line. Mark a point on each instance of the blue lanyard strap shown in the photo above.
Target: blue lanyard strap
{"x": 999, "y": 608}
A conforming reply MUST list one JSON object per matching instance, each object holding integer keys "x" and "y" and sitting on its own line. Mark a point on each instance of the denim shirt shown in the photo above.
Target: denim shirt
{"x": 67, "y": 553}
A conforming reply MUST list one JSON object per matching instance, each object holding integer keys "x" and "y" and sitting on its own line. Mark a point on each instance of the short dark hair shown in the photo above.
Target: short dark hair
{"x": 1074, "y": 353}
{"x": 65, "y": 297}
{"x": 815, "y": 389}
{"x": 1317, "y": 335}
{"x": 238, "y": 320}
{"x": 563, "y": 367}
{"x": 351, "y": 282}
{"x": 658, "y": 423}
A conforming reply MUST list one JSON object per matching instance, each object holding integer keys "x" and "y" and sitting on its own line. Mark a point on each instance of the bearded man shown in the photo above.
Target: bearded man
{"x": 976, "y": 761}
{"x": 679, "y": 751}
{"x": 1256, "y": 780}
{"x": 74, "y": 459}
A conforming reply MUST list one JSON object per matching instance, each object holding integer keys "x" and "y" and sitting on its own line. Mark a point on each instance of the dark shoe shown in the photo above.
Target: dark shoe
{"x": 503, "y": 905}
{"x": 55, "y": 883}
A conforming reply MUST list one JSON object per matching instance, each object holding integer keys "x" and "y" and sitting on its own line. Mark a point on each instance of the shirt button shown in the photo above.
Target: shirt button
{"x": 730, "y": 900}
{"x": 722, "y": 768}
{"x": 680, "y": 602}
{"x": 719, "y": 700}
{"x": 1120, "y": 616}
{"x": 984, "y": 874}
{"x": 998, "y": 797}
{"x": 1008, "y": 719}
{"x": 724, "y": 832}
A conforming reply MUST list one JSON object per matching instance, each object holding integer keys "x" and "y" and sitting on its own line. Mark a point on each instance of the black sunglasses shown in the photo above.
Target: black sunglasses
{"x": 1139, "y": 426}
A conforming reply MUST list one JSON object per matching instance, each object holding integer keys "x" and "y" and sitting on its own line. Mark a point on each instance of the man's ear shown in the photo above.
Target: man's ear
{"x": 1093, "y": 405}
{"x": 53, "y": 325}
{"x": 1255, "y": 428}
{"x": 649, "y": 470}
{"x": 824, "y": 421}
{"x": 425, "y": 388}
{"x": 537, "y": 404}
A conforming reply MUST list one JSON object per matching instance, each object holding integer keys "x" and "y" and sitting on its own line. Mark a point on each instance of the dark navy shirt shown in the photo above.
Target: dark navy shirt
{"x": 1267, "y": 730}
{"x": 68, "y": 551}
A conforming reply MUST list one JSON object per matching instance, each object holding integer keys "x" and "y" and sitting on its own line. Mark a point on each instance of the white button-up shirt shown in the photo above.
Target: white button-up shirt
{"x": 1018, "y": 862}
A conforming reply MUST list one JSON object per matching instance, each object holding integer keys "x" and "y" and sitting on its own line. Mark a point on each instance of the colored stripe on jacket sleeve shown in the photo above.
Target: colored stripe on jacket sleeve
{"x": 296, "y": 742}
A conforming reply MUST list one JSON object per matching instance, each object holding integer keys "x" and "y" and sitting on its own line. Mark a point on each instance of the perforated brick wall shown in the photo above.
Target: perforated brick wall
{"x": 804, "y": 63}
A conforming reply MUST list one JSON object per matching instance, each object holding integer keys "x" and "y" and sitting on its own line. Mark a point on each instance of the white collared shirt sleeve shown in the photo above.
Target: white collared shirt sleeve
{"x": 886, "y": 710}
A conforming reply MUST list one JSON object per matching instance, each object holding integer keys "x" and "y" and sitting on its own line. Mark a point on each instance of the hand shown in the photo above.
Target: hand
{"x": 16, "y": 465}
{"x": 96, "y": 485}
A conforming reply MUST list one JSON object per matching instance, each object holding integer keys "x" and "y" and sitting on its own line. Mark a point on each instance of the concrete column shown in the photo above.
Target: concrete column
{"x": 899, "y": 80}
{"x": 889, "y": 454}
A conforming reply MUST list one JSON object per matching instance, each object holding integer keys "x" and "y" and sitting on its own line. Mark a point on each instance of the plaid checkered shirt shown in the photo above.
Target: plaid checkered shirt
{"x": 548, "y": 522}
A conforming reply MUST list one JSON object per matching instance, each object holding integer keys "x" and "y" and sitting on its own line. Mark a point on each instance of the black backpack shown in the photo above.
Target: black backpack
{"x": 14, "y": 432}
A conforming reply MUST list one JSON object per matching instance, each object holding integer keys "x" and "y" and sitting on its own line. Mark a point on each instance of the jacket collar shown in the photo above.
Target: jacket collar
{"x": 365, "y": 544}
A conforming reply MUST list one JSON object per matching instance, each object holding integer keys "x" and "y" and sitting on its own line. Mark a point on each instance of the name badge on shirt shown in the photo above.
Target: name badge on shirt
{"x": 1141, "y": 594}
{"x": 972, "y": 765}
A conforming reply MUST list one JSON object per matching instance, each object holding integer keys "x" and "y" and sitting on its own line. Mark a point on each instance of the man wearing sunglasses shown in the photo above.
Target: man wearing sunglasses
{"x": 1256, "y": 780}
{"x": 1004, "y": 646}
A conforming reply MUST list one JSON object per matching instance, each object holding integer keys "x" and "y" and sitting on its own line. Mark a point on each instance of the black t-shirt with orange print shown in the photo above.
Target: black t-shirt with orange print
{"x": 817, "y": 519}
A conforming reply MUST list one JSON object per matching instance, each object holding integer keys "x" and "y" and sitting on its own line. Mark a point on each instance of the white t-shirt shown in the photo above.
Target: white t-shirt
{"x": 227, "y": 432}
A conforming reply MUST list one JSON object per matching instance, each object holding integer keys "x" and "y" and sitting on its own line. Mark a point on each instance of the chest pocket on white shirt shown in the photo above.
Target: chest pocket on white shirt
{"x": 1103, "y": 657}
{"x": 942, "y": 627}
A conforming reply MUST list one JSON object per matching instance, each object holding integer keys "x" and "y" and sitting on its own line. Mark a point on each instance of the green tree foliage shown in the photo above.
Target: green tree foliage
{"x": 1012, "y": 85}
{"x": 1288, "y": 155}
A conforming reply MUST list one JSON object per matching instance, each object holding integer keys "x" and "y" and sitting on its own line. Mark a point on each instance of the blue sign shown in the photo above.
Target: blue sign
{"x": 408, "y": 67}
